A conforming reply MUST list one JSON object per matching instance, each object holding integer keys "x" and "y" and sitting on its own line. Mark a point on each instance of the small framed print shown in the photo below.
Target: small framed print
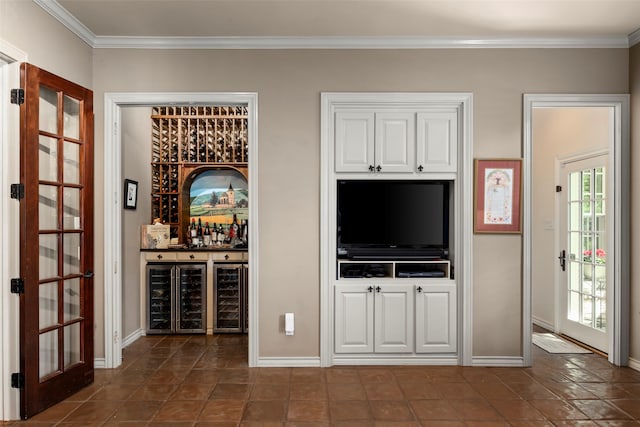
{"x": 130, "y": 194}
{"x": 497, "y": 196}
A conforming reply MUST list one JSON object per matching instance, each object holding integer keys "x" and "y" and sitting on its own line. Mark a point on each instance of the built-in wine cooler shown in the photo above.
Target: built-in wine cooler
{"x": 177, "y": 298}
{"x": 231, "y": 297}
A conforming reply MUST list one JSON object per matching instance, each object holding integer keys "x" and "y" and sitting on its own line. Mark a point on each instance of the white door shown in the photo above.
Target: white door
{"x": 354, "y": 141}
{"x": 436, "y": 319}
{"x": 394, "y": 318}
{"x": 437, "y": 141}
{"x": 395, "y": 141}
{"x": 585, "y": 251}
{"x": 354, "y": 318}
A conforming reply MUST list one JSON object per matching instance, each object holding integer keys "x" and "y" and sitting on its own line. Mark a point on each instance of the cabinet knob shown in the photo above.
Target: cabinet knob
{"x": 159, "y": 256}
{"x": 226, "y": 256}
{"x": 420, "y": 168}
{"x": 370, "y": 288}
{"x": 378, "y": 168}
{"x": 371, "y": 168}
{"x": 378, "y": 289}
{"x": 192, "y": 256}
{"x": 419, "y": 289}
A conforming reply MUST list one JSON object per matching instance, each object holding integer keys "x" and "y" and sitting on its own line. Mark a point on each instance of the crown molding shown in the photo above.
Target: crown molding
{"x": 327, "y": 42}
{"x": 634, "y": 38}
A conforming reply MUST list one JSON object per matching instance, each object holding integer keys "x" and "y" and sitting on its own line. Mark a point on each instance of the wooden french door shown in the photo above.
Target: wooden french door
{"x": 56, "y": 239}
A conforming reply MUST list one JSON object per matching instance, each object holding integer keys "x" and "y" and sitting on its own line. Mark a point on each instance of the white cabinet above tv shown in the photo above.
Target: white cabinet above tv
{"x": 382, "y": 140}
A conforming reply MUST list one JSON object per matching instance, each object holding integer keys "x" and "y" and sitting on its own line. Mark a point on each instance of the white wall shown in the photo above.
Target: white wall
{"x": 136, "y": 165}
{"x": 289, "y": 84}
{"x": 557, "y": 133}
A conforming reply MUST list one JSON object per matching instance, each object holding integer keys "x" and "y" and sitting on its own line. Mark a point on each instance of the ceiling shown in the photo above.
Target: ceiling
{"x": 159, "y": 23}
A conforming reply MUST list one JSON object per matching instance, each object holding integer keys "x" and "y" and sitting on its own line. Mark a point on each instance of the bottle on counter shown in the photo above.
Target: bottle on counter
{"x": 193, "y": 232}
{"x": 206, "y": 235}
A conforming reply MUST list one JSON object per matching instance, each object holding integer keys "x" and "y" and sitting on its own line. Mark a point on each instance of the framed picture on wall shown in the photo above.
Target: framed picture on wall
{"x": 497, "y": 196}
{"x": 130, "y": 194}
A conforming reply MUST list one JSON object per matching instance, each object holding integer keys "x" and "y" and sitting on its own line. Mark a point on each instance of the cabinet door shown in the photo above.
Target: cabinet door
{"x": 436, "y": 319}
{"x": 353, "y": 318}
{"x": 394, "y": 331}
{"x": 437, "y": 141}
{"x": 354, "y": 141}
{"x": 395, "y": 142}
{"x": 228, "y": 294}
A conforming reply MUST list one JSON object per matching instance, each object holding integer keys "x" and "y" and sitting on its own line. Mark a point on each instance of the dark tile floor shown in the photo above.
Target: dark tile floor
{"x": 204, "y": 381}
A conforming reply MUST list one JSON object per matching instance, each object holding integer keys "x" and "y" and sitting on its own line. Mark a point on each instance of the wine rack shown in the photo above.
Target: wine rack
{"x": 188, "y": 136}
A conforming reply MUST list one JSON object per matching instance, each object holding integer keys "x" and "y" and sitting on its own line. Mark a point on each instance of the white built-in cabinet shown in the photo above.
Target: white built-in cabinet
{"x": 396, "y": 141}
{"x": 395, "y": 318}
{"x": 374, "y": 318}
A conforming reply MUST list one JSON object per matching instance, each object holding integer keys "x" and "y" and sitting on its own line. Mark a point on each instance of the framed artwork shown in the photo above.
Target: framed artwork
{"x": 497, "y": 196}
{"x": 130, "y": 194}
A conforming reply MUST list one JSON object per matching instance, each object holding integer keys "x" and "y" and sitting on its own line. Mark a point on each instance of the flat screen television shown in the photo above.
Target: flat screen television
{"x": 393, "y": 219}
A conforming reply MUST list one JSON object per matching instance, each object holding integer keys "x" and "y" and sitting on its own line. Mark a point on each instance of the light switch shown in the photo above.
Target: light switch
{"x": 288, "y": 323}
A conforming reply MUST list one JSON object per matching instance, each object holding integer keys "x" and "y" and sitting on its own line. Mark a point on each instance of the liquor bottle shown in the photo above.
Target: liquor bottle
{"x": 207, "y": 235}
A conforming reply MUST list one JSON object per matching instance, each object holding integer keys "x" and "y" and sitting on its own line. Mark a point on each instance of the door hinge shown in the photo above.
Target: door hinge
{"x": 17, "y": 96}
{"x": 558, "y": 188}
{"x": 17, "y": 380}
{"x": 17, "y": 286}
{"x": 17, "y": 191}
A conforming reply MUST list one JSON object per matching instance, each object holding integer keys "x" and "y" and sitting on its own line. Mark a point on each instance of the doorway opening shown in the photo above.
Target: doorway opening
{"x": 113, "y": 248}
{"x": 559, "y": 131}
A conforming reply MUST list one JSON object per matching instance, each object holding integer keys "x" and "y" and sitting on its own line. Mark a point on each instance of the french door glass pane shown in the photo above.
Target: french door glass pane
{"x": 71, "y": 169}
{"x": 47, "y": 158}
{"x": 48, "y": 353}
{"x": 574, "y": 306}
{"x": 47, "y": 207}
{"x": 71, "y": 344}
{"x": 48, "y": 304}
{"x": 71, "y": 299}
{"x": 71, "y": 244}
{"x": 48, "y": 264}
{"x": 71, "y": 208}
{"x": 71, "y": 108}
{"x": 48, "y": 110}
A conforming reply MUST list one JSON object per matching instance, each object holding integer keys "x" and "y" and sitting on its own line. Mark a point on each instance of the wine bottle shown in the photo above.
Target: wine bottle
{"x": 193, "y": 232}
{"x": 207, "y": 235}
{"x": 214, "y": 234}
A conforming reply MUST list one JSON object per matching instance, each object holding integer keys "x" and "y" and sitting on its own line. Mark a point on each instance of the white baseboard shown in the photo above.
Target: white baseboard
{"x": 131, "y": 338}
{"x": 634, "y": 364}
{"x": 497, "y": 361}
{"x": 386, "y": 361}
{"x": 542, "y": 323}
{"x": 284, "y": 362}
{"x": 99, "y": 363}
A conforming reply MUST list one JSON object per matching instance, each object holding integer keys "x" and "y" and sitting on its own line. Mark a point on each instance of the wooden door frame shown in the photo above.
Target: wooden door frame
{"x": 10, "y": 59}
{"x": 619, "y": 155}
{"x": 113, "y": 103}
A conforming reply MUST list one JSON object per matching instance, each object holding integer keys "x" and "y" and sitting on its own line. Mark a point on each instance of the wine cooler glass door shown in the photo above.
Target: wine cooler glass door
{"x": 159, "y": 312}
{"x": 191, "y": 298}
{"x": 228, "y": 298}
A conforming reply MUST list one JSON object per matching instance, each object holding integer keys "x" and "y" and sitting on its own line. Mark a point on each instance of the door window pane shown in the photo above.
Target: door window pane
{"x": 71, "y": 208}
{"x": 71, "y": 244}
{"x": 71, "y": 168}
{"x": 71, "y": 344}
{"x": 48, "y": 264}
{"x": 48, "y": 304}
{"x": 48, "y": 353}
{"x": 47, "y": 158}
{"x": 48, "y": 110}
{"x": 71, "y": 108}
{"x": 47, "y": 207}
{"x": 71, "y": 299}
